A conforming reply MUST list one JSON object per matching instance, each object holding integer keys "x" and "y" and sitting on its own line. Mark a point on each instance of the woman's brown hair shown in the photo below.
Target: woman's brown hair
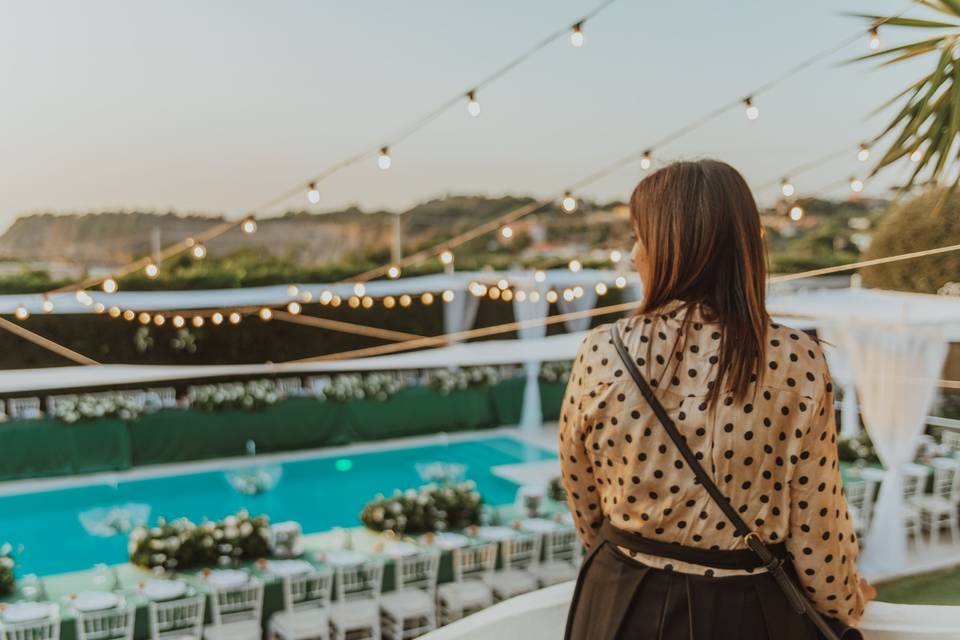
{"x": 700, "y": 228}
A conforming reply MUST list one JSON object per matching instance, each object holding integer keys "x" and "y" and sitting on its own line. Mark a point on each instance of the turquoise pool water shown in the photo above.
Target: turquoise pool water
{"x": 58, "y": 531}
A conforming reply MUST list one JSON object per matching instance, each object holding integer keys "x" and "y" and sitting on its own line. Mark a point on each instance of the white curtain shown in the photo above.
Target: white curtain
{"x": 587, "y": 301}
{"x": 841, "y": 370}
{"x": 460, "y": 313}
{"x": 897, "y": 370}
{"x": 531, "y": 415}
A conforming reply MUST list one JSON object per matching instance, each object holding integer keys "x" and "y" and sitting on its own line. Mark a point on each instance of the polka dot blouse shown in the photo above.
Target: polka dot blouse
{"x": 773, "y": 454}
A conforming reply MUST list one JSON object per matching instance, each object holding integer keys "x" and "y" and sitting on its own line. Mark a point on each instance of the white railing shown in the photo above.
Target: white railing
{"x": 541, "y": 615}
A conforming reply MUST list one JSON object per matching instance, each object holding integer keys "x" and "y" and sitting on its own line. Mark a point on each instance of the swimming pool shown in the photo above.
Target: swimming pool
{"x": 63, "y": 530}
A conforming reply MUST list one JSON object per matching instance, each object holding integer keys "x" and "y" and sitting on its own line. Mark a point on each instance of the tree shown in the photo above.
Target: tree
{"x": 929, "y": 220}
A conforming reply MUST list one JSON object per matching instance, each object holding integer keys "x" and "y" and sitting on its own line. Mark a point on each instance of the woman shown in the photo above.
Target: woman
{"x": 752, "y": 402}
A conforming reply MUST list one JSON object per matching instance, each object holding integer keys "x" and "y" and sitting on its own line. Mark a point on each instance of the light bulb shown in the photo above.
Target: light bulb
{"x": 751, "y": 109}
{"x": 306, "y": 296}
{"x": 216, "y": 318}
{"x": 539, "y": 275}
{"x": 569, "y": 203}
{"x": 621, "y": 282}
{"x": 601, "y": 289}
{"x": 325, "y": 297}
{"x": 109, "y": 285}
{"x": 197, "y": 321}
{"x": 235, "y": 318}
{"x": 856, "y": 185}
{"x": 393, "y": 272}
{"x": 863, "y": 153}
{"x": 114, "y": 312}
{"x": 152, "y": 270}
{"x": 359, "y": 289}
{"x": 353, "y": 302}
{"x": 551, "y": 296}
{"x": 84, "y": 298}
{"x": 478, "y": 289}
{"x": 494, "y": 293}
{"x": 448, "y": 295}
{"x": 178, "y": 321}
{"x": 503, "y": 284}
{"x": 389, "y": 302}
{"x": 507, "y": 295}
{"x": 249, "y": 225}
{"x": 576, "y": 35}
{"x": 521, "y": 296}
{"x": 405, "y": 300}
{"x": 446, "y": 257}
{"x": 616, "y": 256}
{"x": 796, "y": 213}
{"x": 294, "y": 307}
{"x": 129, "y": 315}
{"x": 144, "y": 317}
{"x": 159, "y": 320}
{"x": 534, "y": 296}
{"x": 21, "y": 313}
{"x": 786, "y": 188}
{"x": 874, "y": 42}
{"x": 916, "y": 156}
{"x": 575, "y": 265}
{"x": 506, "y": 232}
{"x": 47, "y": 306}
{"x": 568, "y": 295}
{"x": 367, "y": 302}
{"x": 99, "y": 308}
{"x": 335, "y": 301}
{"x": 383, "y": 160}
{"x": 266, "y": 313}
{"x": 198, "y": 251}
{"x": 473, "y": 106}
{"x": 427, "y": 298}
{"x": 646, "y": 161}
{"x": 313, "y": 194}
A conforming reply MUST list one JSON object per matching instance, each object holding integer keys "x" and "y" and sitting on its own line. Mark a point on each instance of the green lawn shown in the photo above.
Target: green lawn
{"x": 938, "y": 587}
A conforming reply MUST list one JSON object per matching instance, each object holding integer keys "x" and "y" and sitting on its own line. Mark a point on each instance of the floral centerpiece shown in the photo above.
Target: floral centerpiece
{"x": 248, "y": 396}
{"x": 555, "y": 490}
{"x": 448, "y": 380}
{"x": 181, "y": 544}
{"x": 103, "y": 405}
{"x": 7, "y": 575}
{"x": 431, "y": 508}
{"x": 558, "y": 371}
{"x": 355, "y": 386}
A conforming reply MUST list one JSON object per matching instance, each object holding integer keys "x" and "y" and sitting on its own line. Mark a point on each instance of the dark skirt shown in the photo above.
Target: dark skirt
{"x": 618, "y": 597}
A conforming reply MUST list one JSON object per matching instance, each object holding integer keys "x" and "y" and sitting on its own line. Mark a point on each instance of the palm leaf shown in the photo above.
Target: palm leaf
{"x": 907, "y": 22}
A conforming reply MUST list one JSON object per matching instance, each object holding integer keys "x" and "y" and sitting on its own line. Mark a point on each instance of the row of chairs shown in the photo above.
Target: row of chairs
{"x": 416, "y": 606}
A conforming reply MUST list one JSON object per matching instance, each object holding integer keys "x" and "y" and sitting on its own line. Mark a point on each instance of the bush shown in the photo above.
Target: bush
{"x": 913, "y": 226}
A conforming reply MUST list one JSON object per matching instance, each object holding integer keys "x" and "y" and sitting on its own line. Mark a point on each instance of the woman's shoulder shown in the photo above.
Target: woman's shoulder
{"x": 795, "y": 360}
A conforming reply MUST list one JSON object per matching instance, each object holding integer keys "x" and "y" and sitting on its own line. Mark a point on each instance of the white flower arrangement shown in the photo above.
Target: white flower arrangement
{"x": 379, "y": 385}
{"x": 7, "y": 569}
{"x": 449, "y": 380}
{"x": 555, "y": 371}
{"x": 249, "y": 396}
{"x": 431, "y": 508}
{"x": 102, "y": 405}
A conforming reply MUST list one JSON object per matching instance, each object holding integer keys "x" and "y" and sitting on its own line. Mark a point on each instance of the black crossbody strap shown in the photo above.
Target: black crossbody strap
{"x": 772, "y": 563}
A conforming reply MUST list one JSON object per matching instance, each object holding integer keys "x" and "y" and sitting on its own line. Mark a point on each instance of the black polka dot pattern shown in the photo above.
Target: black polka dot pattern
{"x": 774, "y": 454}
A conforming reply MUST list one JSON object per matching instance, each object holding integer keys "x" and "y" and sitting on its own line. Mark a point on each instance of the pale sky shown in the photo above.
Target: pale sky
{"x": 218, "y": 105}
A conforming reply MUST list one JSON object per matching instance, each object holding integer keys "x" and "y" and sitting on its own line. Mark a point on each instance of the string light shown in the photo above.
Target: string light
{"x": 863, "y": 153}
{"x": 389, "y": 302}
{"x": 446, "y": 257}
{"x": 477, "y": 289}
{"x": 197, "y": 321}
{"x": 83, "y": 298}
{"x": 266, "y": 314}
{"x": 47, "y": 305}
{"x": 568, "y": 295}
{"x": 786, "y": 188}
{"x": 129, "y": 315}
{"x": 521, "y": 296}
{"x": 427, "y": 298}
{"x": 575, "y": 265}
{"x": 335, "y": 301}
{"x": 383, "y": 160}
{"x": 601, "y": 289}
{"x": 159, "y": 320}
{"x": 313, "y": 194}
{"x": 534, "y": 296}
{"x": 916, "y": 156}
{"x": 616, "y": 256}
{"x": 109, "y": 285}
{"x": 796, "y": 213}
{"x": 144, "y": 317}
{"x": 447, "y": 295}
{"x": 494, "y": 293}
{"x": 294, "y": 307}
{"x": 551, "y": 296}
{"x": 359, "y": 289}
{"x": 576, "y": 35}
{"x": 114, "y": 312}
{"x": 647, "y": 160}
{"x": 178, "y": 321}
{"x": 569, "y": 203}
{"x": 393, "y": 272}
{"x": 99, "y": 308}
{"x": 621, "y": 282}
{"x": 405, "y": 300}
{"x": 473, "y": 106}
{"x": 507, "y": 295}
{"x": 366, "y": 301}
{"x": 217, "y": 318}
{"x": 235, "y": 318}
{"x": 539, "y": 275}
{"x": 21, "y": 313}
{"x": 856, "y": 185}
{"x": 874, "y": 42}
{"x": 751, "y": 109}
{"x": 503, "y": 284}
{"x": 507, "y": 232}
{"x": 151, "y": 270}
{"x": 292, "y": 290}
{"x": 249, "y": 225}
{"x": 353, "y": 302}
{"x": 198, "y": 251}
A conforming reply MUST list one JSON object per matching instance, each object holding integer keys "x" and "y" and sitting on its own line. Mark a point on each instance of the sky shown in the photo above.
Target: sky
{"x": 216, "y": 106}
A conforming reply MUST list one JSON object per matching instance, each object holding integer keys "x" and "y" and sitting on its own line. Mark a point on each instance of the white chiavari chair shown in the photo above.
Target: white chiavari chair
{"x": 471, "y": 588}
{"x": 410, "y": 610}
{"x": 306, "y": 608}
{"x": 180, "y": 619}
{"x": 521, "y": 555}
{"x": 236, "y": 612}
{"x": 356, "y": 613}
